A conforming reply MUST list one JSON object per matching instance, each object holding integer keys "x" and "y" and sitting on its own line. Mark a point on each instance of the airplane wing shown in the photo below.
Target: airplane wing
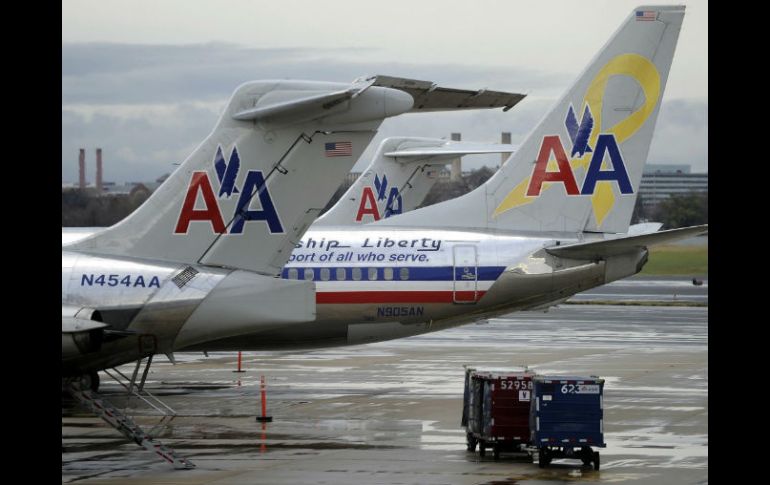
{"x": 430, "y": 97}
{"x": 613, "y": 247}
{"x": 644, "y": 228}
{"x": 449, "y": 151}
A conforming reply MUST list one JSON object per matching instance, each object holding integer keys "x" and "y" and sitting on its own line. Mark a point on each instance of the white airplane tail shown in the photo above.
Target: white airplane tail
{"x": 247, "y": 194}
{"x": 580, "y": 168}
{"x": 402, "y": 172}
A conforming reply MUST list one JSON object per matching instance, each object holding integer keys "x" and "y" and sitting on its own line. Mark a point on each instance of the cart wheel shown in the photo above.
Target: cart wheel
{"x": 482, "y": 448}
{"x": 586, "y": 455}
{"x": 496, "y": 450}
{"x": 471, "y": 442}
{"x": 596, "y": 460}
{"x": 542, "y": 457}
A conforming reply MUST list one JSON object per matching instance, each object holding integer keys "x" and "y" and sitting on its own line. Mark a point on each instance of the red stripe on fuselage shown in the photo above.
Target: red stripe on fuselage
{"x": 396, "y": 296}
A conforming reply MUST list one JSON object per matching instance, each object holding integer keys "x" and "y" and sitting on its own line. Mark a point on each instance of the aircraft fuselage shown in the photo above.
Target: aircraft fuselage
{"x": 371, "y": 285}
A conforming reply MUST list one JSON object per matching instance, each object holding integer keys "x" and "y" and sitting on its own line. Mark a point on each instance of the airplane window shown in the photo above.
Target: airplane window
{"x": 357, "y": 274}
{"x": 309, "y": 274}
{"x": 293, "y": 274}
{"x": 387, "y": 273}
{"x": 325, "y": 274}
{"x": 403, "y": 273}
{"x": 341, "y": 274}
{"x": 372, "y": 274}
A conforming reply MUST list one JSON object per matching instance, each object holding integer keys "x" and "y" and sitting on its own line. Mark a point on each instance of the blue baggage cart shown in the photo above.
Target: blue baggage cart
{"x": 567, "y": 418}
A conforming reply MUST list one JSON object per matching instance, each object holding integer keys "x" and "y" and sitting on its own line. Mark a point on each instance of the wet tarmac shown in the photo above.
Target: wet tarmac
{"x": 390, "y": 412}
{"x": 650, "y": 289}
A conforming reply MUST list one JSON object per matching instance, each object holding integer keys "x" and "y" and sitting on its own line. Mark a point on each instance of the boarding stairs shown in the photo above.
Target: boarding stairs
{"x": 116, "y": 418}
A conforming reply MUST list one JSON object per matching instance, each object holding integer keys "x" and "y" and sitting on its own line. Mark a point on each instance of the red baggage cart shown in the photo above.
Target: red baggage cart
{"x": 496, "y": 410}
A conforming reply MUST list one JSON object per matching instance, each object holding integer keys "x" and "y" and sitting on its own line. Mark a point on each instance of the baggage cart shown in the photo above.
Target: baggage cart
{"x": 496, "y": 410}
{"x": 567, "y": 418}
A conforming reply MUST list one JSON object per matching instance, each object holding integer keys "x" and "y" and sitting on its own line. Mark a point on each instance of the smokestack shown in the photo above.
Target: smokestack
{"x": 505, "y": 139}
{"x": 457, "y": 169}
{"x": 98, "y": 170}
{"x": 82, "y": 168}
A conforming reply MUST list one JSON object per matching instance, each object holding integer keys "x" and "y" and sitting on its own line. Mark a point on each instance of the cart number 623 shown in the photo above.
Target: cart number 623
{"x": 580, "y": 389}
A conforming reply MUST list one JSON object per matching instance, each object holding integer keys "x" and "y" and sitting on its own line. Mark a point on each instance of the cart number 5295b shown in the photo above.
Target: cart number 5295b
{"x": 510, "y": 385}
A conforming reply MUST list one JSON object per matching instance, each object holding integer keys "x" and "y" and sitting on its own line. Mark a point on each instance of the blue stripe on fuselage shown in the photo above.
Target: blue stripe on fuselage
{"x": 440, "y": 273}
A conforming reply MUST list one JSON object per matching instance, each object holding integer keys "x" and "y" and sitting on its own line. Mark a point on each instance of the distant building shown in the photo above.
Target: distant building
{"x": 659, "y": 182}
{"x": 666, "y": 168}
{"x": 112, "y": 189}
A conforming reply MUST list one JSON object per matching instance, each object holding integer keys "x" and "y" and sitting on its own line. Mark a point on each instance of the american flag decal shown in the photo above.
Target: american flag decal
{"x": 646, "y": 15}
{"x": 338, "y": 149}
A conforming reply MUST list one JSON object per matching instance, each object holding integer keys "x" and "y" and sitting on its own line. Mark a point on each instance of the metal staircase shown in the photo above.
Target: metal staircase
{"x": 123, "y": 423}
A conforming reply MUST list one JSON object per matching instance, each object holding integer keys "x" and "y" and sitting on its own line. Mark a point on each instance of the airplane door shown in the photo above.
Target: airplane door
{"x": 465, "y": 274}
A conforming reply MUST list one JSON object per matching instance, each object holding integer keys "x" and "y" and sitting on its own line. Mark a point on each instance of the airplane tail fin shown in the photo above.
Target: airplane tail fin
{"x": 402, "y": 172}
{"x": 248, "y": 192}
{"x": 581, "y": 167}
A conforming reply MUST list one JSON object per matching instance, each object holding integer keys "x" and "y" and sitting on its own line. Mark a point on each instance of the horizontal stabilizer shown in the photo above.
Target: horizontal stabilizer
{"x": 613, "y": 247}
{"x": 430, "y": 97}
{"x": 451, "y": 150}
{"x": 316, "y": 104}
{"x": 401, "y": 174}
{"x": 293, "y": 106}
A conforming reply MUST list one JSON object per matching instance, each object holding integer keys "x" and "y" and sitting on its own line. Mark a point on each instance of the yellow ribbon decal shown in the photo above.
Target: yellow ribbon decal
{"x": 646, "y": 74}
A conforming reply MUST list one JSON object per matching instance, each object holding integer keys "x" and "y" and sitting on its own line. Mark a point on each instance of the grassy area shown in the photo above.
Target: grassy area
{"x": 636, "y": 303}
{"x": 677, "y": 260}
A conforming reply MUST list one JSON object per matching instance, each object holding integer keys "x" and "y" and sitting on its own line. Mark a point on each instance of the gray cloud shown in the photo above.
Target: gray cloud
{"x": 681, "y": 135}
{"x": 138, "y": 147}
{"x": 148, "y": 106}
{"x": 126, "y": 73}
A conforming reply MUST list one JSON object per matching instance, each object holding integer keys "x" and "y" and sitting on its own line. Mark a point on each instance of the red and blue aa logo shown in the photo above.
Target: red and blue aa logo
{"x": 579, "y": 132}
{"x": 370, "y": 205}
{"x": 200, "y": 188}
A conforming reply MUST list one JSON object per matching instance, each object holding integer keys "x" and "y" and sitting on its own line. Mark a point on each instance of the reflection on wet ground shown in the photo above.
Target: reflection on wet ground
{"x": 390, "y": 412}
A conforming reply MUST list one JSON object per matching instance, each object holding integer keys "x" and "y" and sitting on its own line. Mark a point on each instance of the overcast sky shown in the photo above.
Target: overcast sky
{"x": 146, "y": 80}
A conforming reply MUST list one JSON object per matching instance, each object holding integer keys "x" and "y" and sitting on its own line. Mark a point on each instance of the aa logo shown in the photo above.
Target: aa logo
{"x": 203, "y": 206}
{"x": 551, "y": 148}
{"x": 595, "y": 142}
{"x": 372, "y": 205}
